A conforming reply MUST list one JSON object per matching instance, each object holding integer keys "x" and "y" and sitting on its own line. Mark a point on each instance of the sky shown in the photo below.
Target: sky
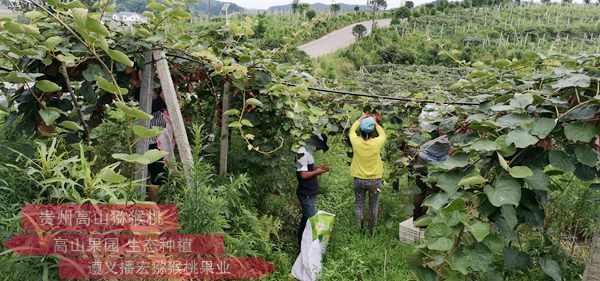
{"x": 265, "y": 4}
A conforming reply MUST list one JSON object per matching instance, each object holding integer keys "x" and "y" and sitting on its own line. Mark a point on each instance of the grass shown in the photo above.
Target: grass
{"x": 351, "y": 253}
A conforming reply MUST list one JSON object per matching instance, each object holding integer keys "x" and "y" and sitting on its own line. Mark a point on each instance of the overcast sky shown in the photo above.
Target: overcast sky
{"x": 264, "y": 4}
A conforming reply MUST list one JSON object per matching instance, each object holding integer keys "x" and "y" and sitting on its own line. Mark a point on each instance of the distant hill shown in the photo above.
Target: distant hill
{"x": 215, "y": 7}
{"x": 320, "y": 7}
{"x": 200, "y": 7}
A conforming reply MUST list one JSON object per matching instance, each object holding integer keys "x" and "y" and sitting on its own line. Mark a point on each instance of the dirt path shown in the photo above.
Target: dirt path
{"x": 338, "y": 39}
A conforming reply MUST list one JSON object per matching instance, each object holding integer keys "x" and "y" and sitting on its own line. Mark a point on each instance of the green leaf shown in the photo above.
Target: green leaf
{"x": 247, "y": 123}
{"x": 436, "y": 201}
{"x": 542, "y": 127}
{"x": 505, "y": 191}
{"x": 520, "y": 138}
{"x": 472, "y": 180}
{"x": 480, "y": 230}
{"x": 459, "y": 261}
{"x": 71, "y": 125}
{"x": 149, "y": 157}
{"x": 586, "y": 155}
{"x": 448, "y": 181}
{"x": 52, "y": 42}
{"x": 510, "y": 215}
{"x": 111, "y": 176}
{"x": 580, "y": 132}
{"x": 109, "y": 86}
{"x": 425, "y": 274}
{"x": 47, "y": 86}
{"x": 521, "y": 101}
{"x": 133, "y": 112}
{"x": 439, "y": 236}
{"x": 120, "y": 57}
{"x": 539, "y": 180}
{"x": 14, "y": 27}
{"x": 80, "y": 16}
{"x": 494, "y": 243}
{"x": 481, "y": 258}
{"x": 585, "y": 173}
{"x": 503, "y": 162}
{"x": 96, "y": 26}
{"x": 504, "y": 149}
{"x": 154, "y": 6}
{"x": 520, "y": 172}
{"x": 562, "y": 161}
{"x": 515, "y": 258}
{"x": 457, "y": 160}
{"x": 49, "y": 115}
{"x": 253, "y": 101}
{"x": 235, "y": 124}
{"x": 574, "y": 80}
{"x": 231, "y": 112}
{"x": 423, "y": 221}
{"x": 551, "y": 268}
{"x": 34, "y": 15}
{"x": 483, "y": 145}
{"x": 143, "y": 132}
{"x": 501, "y": 63}
{"x": 441, "y": 244}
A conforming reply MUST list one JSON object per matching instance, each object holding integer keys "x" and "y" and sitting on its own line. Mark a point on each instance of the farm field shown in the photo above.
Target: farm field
{"x": 515, "y": 88}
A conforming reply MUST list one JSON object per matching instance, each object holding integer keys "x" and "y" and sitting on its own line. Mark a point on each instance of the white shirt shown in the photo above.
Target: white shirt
{"x": 305, "y": 160}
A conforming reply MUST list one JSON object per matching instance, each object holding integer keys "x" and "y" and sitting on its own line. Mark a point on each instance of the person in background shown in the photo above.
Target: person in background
{"x": 435, "y": 150}
{"x": 366, "y": 166}
{"x": 308, "y": 184}
{"x": 163, "y": 142}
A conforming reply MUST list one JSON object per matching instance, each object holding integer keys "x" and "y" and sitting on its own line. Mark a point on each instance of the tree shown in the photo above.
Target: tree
{"x": 401, "y": 13}
{"x": 409, "y": 4}
{"x": 587, "y": 2}
{"x": 311, "y": 14}
{"x": 335, "y": 8}
{"x": 359, "y": 31}
{"x": 376, "y": 5}
{"x": 295, "y": 6}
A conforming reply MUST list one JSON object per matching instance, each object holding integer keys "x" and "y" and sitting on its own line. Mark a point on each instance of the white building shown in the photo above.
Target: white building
{"x": 128, "y": 18}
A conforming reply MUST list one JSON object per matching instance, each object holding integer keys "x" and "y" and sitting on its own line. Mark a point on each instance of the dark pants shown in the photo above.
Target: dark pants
{"x": 309, "y": 209}
{"x": 426, "y": 190}
{"x": 157, "y": 171}
{"x": 361, "y": 188}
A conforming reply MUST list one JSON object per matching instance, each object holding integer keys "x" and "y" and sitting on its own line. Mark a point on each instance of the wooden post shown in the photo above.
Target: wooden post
{"x": 166, "y": 82}
{"x": 146, "y": 95}
{"x": 224, "y": 150}
{"x": 592, "y": 269}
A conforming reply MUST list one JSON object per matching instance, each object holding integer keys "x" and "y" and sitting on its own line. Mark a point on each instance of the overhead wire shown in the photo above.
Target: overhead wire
{"x": 347, "y": 93}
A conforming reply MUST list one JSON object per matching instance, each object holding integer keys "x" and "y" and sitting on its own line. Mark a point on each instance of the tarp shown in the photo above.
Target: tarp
{"x": 308, "y": 265}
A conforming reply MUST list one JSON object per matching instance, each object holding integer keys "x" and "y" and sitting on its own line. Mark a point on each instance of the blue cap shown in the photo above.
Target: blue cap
{"x": 367, "y": 125}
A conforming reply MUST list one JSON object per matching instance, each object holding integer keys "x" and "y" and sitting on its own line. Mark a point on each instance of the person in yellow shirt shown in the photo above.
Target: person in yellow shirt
{"x": 367, "y": 167}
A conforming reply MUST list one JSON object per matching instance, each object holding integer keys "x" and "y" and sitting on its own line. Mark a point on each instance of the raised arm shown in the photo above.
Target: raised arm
{"x": 354, "y": 137}
{"x": 382, "y": 136}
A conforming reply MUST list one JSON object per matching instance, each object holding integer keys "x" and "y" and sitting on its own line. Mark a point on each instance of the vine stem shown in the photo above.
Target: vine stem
{"x": 75, "y": 103}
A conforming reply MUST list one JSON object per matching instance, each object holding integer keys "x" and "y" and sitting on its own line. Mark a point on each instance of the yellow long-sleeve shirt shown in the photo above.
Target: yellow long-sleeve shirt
{"x": 366, "y": 162}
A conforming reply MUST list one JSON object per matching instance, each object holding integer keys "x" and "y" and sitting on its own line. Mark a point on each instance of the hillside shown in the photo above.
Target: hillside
{"x": 319, "y": 7}
{"x": 200, "y": 7}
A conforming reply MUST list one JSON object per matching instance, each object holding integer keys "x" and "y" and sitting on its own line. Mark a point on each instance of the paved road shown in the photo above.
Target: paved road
{"x": 338, "y": 39}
